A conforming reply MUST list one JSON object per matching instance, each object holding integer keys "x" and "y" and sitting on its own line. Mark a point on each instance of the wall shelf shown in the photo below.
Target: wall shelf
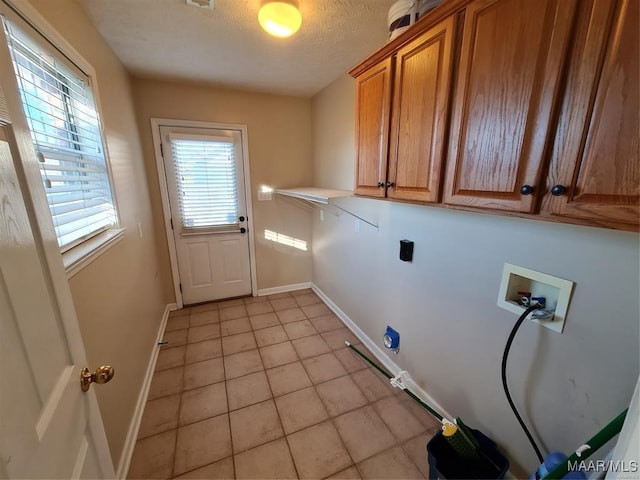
{"x": 321, "y": 196}
{"x": 313, "y": 194}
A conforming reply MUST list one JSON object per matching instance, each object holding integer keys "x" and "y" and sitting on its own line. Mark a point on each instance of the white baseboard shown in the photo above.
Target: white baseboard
{"x": 389, "y": 364}
{"x": 284, "y": 288}
{"x": 134, "y": 426}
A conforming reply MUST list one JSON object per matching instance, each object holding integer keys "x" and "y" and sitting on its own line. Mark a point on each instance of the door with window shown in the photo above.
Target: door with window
{"x": 204, "y": 170}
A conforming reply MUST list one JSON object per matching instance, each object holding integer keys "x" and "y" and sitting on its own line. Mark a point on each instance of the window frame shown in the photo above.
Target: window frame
{"x": 26, "y": 18}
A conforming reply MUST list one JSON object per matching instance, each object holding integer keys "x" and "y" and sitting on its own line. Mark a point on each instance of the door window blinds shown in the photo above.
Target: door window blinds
{"x": 65, "y": 127}
{"x": 206, "y": 181}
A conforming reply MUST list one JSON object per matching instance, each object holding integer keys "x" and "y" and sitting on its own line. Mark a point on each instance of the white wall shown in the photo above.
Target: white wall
{"x": 444, "y": 303}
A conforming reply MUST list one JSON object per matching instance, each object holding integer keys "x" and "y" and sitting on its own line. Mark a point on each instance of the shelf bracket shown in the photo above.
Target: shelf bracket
{"x": 356, "y": 216}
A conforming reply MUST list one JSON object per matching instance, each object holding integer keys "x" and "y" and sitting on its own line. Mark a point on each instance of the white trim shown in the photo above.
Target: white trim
{"x": 156, "y": 123}
{"x": 134, "y": 425}
{"x": 389, "y": 364}
{"x": 42, "y": 25}
{"x": 83, "y": 254}
{"x": 166, "y": 209}
{"x": 284, "y": 288}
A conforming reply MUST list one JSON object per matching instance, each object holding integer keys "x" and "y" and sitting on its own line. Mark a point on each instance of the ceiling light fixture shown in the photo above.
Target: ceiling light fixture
{"x": 280, "y": 18}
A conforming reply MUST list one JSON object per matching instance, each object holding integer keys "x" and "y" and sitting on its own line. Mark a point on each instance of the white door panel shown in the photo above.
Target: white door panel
{"x": 44, "y": 415}
{"x": 198, "y": 261}
{"x": 235, "y": 262}
{"x": 232, "y": 265}
{"x": 208, "y": 211}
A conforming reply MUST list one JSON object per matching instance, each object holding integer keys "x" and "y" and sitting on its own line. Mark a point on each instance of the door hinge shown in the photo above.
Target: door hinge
{"x": 171, "y": 221}
{"x": 180, "y": 285}
{"x": 161, "y": 150}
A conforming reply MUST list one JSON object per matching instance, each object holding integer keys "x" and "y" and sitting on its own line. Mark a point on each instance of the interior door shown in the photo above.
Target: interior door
{"x": 204, "y": 170}
{"x": 49, "y": 427}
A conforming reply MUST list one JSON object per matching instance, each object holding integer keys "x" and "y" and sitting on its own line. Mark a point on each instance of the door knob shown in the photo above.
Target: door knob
{"x": 102, "y": 375}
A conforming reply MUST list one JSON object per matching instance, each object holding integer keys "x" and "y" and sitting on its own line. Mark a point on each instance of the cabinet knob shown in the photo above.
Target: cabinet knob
{"x": 390, "y": 184}
{"x": 526, "y": 189}
{"x": 380, "y": 184}
{"x": 558, "y": 190}
{"x": 243, "y": 230}
{"x": 241, "y": 218}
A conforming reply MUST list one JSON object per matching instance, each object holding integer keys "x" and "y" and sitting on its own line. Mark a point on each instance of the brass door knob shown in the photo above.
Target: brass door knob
{"x": 102, "y": 375}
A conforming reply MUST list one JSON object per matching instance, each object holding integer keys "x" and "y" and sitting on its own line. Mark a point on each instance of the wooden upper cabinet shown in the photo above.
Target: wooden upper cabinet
{"x": 507, "y": 92}
{"x": 420, "y": 110}
{"x": 595, "y": 157}
{"x": 373, "y": 100}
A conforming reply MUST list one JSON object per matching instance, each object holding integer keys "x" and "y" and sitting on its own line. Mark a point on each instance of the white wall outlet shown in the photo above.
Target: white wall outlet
{"x": 264, "y": 195}
{"x": 556, "y": 291}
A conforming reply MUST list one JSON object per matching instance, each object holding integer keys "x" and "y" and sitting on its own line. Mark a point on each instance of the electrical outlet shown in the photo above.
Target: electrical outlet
{"x": 263, "y": 195}
{"x": 356, "y": 225}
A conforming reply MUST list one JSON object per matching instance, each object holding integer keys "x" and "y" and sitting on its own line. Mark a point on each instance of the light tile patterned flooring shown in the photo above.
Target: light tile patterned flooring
{"x": 266, "y": 388}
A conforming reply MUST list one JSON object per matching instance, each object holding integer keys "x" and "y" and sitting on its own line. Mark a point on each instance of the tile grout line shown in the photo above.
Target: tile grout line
{"x": 175, "y": 446}
{"x": 273, "y": 399}
{"x": 226, "y": 394}
{"x": 313, "y": 385}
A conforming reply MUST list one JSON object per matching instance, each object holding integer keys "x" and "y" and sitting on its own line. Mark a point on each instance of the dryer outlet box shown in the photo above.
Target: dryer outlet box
{"x": 406, "y": 250}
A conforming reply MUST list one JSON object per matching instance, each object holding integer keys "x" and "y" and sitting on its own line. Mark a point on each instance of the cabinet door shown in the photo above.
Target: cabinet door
{"x": 419, "y": 115}
{"x": 373, "y": 99}
{"x": 596, "y": 149}
{"x": 507, "y": 88}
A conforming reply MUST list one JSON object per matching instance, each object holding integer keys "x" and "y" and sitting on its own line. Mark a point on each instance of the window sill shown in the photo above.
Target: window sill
{"x": 79, "y": 257}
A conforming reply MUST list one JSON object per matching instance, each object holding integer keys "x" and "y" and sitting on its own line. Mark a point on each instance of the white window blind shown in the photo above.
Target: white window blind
{"x": 206, "y": 181}
{"x": 65, "y": 127}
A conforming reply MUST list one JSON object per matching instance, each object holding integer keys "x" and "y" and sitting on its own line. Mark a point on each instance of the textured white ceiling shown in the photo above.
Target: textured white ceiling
{"x": 167, "y": 39}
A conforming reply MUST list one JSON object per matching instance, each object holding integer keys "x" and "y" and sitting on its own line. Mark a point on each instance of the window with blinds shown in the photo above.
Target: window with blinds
{"x": 206, "y": 181}
{"x": 65, "y": 127}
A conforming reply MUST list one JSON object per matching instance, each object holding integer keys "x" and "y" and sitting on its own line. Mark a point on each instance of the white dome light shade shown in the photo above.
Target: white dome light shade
{"x": 280, "y": 18}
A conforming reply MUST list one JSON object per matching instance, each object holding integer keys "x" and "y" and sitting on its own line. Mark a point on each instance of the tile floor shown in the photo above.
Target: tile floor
{"x": 266, "y": 388}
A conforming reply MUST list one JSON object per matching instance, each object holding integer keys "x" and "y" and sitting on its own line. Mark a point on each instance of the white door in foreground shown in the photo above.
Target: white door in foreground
{"x": 49, "y": 427}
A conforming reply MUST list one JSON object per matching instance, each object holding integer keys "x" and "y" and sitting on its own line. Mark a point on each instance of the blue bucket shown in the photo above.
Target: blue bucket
{"x": 445, "y": 463}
